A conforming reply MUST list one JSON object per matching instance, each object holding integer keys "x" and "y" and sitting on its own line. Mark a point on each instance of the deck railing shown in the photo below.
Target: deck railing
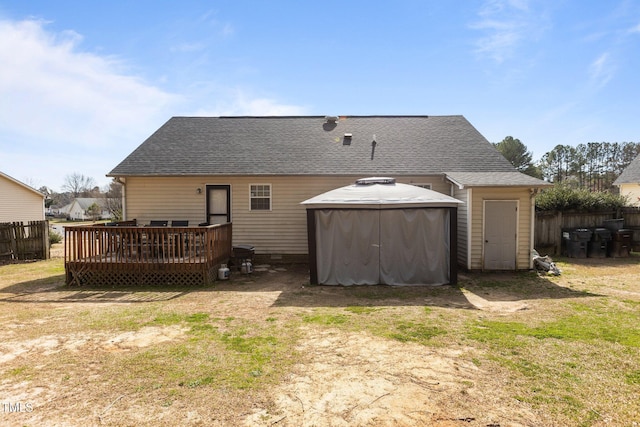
{"x": 145, "y": 255}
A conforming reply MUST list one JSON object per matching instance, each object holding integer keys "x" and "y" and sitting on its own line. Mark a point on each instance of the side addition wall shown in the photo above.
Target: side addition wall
{"x": 523, "y": 244}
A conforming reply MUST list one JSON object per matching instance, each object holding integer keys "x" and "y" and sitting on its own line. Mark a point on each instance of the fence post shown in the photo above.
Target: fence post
{"x": 46, "y": 245}
{"x": 559, "y": 233}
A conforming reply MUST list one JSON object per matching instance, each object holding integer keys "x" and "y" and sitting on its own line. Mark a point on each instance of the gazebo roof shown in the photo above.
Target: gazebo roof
{"x": 380, "y": 193}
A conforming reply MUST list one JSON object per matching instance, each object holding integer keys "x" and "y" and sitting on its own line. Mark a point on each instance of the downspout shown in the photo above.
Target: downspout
{"x": 122, "y": 182}
{"x": 469, "y": 225}
{"x": 533, "y": 192}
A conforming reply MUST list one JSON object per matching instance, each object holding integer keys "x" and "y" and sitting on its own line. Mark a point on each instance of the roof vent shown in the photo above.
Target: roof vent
{"x": 376, "y": 180}
{"x": 331, "y": 119}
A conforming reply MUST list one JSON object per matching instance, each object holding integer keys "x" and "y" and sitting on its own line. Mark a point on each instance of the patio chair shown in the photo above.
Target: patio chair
{"x": 153, "y": 223}
{"x": 181, "y": 240}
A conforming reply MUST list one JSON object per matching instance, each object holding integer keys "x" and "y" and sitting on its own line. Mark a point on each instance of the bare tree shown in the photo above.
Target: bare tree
{"x": 113, "y": 200}
{"x": 78, "y": 184}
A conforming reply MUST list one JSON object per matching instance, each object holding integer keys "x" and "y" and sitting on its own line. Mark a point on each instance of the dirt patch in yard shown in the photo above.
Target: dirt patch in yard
{"x": 356, "y": 379}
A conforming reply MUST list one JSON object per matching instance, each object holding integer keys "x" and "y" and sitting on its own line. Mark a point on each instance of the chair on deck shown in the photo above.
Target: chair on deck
{"x": 156, "y": 248}
{"x": 180, "y": 241}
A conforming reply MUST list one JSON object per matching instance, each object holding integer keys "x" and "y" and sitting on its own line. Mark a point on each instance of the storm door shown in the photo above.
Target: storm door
{"x": 218, "y": 204}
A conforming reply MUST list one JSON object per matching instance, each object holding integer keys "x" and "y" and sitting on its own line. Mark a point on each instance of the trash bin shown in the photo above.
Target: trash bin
{"x": 621, "y": 245}
{"x": 576, "y": 242}
{"x": 599, "y": 244}
{"x": 613, "y": 225}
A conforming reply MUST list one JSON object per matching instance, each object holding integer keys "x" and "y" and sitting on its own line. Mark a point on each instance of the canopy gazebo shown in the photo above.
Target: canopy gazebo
{"x": 377, "y": 231}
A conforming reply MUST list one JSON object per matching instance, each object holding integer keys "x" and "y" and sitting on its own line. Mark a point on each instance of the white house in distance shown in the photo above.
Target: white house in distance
{"x": 19, "y": 202}
{"x": 81, "y": 209}
{"x": 629, "y": 182}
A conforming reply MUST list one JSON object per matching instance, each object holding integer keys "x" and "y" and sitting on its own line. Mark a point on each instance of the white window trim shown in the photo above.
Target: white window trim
{"x": 270, "y": 197}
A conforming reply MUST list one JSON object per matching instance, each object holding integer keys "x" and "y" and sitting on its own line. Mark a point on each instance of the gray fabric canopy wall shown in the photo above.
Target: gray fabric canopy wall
{"x": 380, "y": 232}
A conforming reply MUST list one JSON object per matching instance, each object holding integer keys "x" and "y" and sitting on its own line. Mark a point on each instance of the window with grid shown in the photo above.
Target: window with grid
{"x": 260, "y": 197}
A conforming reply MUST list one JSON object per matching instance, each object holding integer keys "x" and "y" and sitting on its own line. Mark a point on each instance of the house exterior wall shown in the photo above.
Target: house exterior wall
{"x": 632, "y": 192}
{"x": 18, "y": 203}
{"x": 463, "y": 226}
{"x": 76, "y": 212}
{"x": 282, "y": 230}
{"x": 524, "y": 228}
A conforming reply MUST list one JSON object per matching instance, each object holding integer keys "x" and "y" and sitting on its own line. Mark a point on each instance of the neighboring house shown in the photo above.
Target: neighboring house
{"x": 86, "y": 208}
{"x": 629, "y": 182}
{"x": 255, "y": 171}
{"x": 19, "y": 202}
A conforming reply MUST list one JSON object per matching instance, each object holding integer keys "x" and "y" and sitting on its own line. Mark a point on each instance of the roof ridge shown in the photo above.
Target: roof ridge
{"x": 373, "y": 116}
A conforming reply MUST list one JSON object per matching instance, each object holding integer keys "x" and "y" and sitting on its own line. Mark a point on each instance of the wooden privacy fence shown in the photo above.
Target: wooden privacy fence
{"x": 24, "y": 241}
{"x": 132, "y": 255}
{"x": 550, "y": 225}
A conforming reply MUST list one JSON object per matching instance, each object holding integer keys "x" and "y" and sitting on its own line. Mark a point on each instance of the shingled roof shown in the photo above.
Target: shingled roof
{"x": 313, "y": 145}
{"x": 631, "y": 174}
{"x": 495, "y": 179}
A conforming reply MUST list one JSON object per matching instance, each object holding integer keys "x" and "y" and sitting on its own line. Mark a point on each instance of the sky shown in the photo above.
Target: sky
{"x": 83, "y": 83}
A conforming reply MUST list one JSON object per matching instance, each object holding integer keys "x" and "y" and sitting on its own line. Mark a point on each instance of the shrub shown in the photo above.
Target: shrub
{"x": 564, "y": 198}
{"x": 54, "y": 237}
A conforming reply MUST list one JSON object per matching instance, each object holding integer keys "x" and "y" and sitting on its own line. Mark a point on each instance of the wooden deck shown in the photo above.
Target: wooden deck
{"x": 133, "y": 255}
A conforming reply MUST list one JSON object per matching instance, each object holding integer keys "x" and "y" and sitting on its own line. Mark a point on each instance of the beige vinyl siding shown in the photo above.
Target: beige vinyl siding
{"x": 632, "y": 192}
{"x": 281, "y": 230}
{"x": 523, "y": 243}
{"x": 463, "y": 226}
{"x": 19, "y": 203}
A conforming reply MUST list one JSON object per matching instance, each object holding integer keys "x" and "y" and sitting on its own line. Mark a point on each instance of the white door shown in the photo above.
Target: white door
{"x": 500, "y": 234}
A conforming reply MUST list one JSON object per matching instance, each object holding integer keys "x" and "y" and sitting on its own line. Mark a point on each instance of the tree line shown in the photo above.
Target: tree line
{"x": 593, "y": 166}
{"x": 583, "y": 175}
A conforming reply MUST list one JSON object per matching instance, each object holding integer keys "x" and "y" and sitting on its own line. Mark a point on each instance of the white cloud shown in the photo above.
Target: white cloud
{"x": 58, "y": 92}
{"x": 506, "y": 24}
{"x": 601, "y": 70}
{"x": 264, "y": 107}
{"x": 187, "y": 47}
{"x": 65, "y": 109}
{"x": 238, "y": 102}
